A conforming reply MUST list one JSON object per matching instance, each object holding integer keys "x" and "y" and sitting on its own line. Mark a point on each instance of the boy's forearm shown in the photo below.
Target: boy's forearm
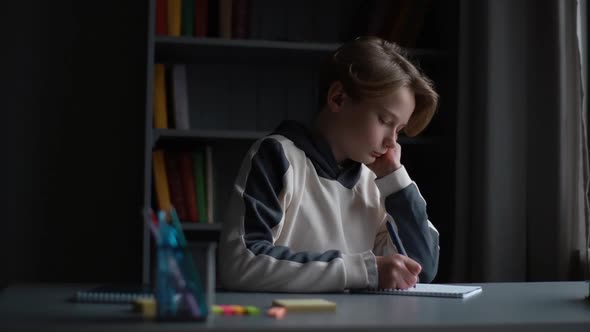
{"x": 242, "y": 269}
{"x": 408, "y": 209}
{"x": 419, "y": 237}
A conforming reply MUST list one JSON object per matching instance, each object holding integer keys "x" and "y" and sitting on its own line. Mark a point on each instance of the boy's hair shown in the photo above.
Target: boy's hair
{"x": 372, "y": 67}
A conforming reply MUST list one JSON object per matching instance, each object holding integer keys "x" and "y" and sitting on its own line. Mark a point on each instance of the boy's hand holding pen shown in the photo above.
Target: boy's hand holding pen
{"x": 397, "y": 271}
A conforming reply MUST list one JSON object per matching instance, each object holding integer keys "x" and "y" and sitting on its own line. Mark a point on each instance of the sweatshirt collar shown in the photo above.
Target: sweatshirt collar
{"x": 317, "y": 149}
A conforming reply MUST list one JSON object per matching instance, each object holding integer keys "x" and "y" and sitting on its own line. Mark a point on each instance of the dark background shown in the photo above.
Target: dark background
{"x": 73, "y": 117}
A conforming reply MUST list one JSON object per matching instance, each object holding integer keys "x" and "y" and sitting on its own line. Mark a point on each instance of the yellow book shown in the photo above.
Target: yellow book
{"x": 161, "y": 180}
{"x": 305, "y": 304}
{"x": 160, "y": 112}
{"x": 174, "y": 17}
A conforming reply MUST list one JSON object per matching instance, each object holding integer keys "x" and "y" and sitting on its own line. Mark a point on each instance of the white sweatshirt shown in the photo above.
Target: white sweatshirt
{"x": 299, "y": 222}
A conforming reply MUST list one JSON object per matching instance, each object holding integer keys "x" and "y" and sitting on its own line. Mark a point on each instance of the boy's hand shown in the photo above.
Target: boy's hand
{"x": 397, "y": 271}
{"x": 389, "y": 162}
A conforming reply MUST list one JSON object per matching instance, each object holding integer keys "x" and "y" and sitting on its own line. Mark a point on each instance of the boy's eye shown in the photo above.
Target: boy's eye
{"x": 382, "y": 121}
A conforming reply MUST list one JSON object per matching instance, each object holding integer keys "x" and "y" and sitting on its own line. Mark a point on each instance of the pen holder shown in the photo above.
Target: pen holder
{"x": 179, "y": 292}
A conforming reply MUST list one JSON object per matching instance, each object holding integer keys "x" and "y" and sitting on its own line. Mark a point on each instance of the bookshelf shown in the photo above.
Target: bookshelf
{"x": 238, "y": 90}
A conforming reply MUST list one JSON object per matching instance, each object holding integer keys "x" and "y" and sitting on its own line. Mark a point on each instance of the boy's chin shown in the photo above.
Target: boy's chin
{"x": 367, "y": 160}
{"x": 363, "y": 159}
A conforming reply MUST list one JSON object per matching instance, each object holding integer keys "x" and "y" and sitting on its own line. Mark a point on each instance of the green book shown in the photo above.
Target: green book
{"x": 188, "y": 17}
{"x": 199, "y": 170}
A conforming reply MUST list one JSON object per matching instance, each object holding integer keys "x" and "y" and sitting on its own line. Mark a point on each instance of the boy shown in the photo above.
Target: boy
{"x": 309, "y": 207}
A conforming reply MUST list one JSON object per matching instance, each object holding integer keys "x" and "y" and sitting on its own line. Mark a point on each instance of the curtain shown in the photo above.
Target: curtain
{"x": 522, "y": 162}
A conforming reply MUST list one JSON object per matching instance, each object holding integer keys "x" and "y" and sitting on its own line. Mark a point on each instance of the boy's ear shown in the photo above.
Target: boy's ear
{"x": 335, "y": 96}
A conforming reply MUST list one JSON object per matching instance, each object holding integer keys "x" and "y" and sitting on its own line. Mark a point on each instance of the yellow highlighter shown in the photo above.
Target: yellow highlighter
{"x": 305, "y": 304}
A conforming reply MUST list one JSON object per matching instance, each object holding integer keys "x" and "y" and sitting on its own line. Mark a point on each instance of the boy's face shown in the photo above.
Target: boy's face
{"x": 370, "y": 127}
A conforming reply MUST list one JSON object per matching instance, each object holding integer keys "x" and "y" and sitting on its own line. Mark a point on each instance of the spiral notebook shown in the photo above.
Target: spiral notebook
{"x": 434, "y": 290}
{"x": 114, "y": 294}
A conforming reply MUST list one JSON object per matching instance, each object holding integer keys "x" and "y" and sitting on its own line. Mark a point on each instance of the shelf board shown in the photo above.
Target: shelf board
{"x": 421, "y": 140}
{"x": 200, "y": 226}
{"x": 191, "y": 49}
{"x": 196, "y": 135}
{"x": 196, "y": 232}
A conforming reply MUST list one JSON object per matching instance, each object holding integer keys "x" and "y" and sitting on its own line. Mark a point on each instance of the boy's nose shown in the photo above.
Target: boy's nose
{"x": 390, "y": 140}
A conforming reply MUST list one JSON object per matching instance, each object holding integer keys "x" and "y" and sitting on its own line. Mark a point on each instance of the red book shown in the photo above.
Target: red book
{"x": 161, "y": 17}
{"x": 188, "y": 185}
{"x": 175, "y": 184}
{"x": 201, "y": 18}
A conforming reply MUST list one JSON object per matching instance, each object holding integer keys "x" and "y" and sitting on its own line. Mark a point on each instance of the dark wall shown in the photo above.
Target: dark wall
{"x": 72, "y": 140}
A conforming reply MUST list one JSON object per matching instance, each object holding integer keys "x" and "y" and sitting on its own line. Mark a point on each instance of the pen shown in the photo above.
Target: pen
{"x": 178, "y": 226}
{"x": 152, "y": 223}
{"x": 396, "y": 241}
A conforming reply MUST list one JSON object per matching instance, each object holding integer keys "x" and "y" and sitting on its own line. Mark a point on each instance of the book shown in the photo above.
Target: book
{"x": 392, "y": 27}
{"x": 209, "y": 184}
{"x": 305, "y": 304}
{"x": 433, "y": 290}
{"x": 161, "y": 17}
{"x": 174, "y": 17}
{"x": 187, "y": 22}
{"x": 114, "y": 294}
{"x": 161, "y": 180}
{"x": 416, "y": 23}
{"x": 180, "y": 103}
{"x": 240, "y": 19}
{"x": 188, "y": 185}
{"x": 175, "y": 183}
{"x": 405, "y": 22}
{"x": 212, "y": 18}
{"x": 199, "y": 173}
{"x": 225, "y": 19}
{"x": 160, "y": 103}
{"x": 200, "y": 21}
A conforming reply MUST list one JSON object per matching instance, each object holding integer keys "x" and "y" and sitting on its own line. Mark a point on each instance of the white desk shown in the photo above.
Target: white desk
{"x": 555, "y": 306}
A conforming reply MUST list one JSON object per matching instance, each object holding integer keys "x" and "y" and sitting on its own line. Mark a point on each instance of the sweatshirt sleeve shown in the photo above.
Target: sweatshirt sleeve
{"x": 407, "y": 207}
{"x": 249, "y": 258}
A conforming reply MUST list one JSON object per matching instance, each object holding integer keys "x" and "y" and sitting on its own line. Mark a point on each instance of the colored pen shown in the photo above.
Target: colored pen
{"x": 178, "y": 226}
{"x": 152, "y": 223}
